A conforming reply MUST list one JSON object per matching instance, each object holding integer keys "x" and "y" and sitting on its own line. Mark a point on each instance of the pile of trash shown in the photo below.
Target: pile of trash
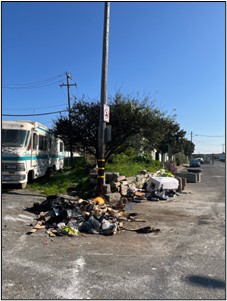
{"x": 161, "y": 188}
{"x": 67, "y": 216}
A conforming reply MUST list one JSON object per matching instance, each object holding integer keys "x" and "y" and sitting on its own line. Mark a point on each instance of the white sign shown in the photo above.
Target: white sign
{"x": 106, "y": 113}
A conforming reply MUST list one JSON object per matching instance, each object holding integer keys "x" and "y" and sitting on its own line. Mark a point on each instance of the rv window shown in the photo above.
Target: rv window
{"x": 42, "y": 143}
{"x": 35, "y": 141}
{"x": 14, "y": 138}
{"x": 61, "y": 147}
{"x": 50, "y": 143}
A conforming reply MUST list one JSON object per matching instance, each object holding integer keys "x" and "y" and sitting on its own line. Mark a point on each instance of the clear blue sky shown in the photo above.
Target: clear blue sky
{"x": 172, "y": 51}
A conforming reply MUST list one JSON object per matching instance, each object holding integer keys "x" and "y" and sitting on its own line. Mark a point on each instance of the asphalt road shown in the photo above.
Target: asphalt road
{"x": 186, "y": 260}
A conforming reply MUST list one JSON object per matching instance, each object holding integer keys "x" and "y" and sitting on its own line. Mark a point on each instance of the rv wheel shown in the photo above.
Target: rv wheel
{"x": 50, "y": 172}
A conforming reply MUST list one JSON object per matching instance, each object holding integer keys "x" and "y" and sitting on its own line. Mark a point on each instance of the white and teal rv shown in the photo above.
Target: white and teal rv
{"x": 29, "y": 151}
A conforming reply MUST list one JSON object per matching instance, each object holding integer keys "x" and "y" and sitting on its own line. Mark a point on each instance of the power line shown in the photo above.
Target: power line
{"x": 38, "y": 82}
{"x": 208, "y": 135}
{"x": 49, "y": 113}
{"x": 34, "y": 85}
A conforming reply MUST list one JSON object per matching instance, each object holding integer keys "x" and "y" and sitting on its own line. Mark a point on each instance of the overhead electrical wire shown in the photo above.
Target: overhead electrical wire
{"x": 212, "y": 136}
{"x": 31, "y": 86}
{"x": 38, "y": 82}
{"x": 208, "y": 135}
{"x": 34, "y": 85}
{"x": 49, "y": 113}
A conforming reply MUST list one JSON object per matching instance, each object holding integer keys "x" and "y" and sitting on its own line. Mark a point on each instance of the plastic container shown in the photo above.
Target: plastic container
{"x": 105, "y": 224}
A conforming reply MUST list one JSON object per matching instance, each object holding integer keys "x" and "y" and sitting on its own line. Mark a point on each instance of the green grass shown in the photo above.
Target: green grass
{"x": 130, "y": 169}
{"x": 78, "y": 175}
{"x": 132, "y": 165}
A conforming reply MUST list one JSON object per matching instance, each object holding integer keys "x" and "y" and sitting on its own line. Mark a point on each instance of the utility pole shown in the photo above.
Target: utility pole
{"x": 102, "y": 123}
{"x": 68, "y": 77}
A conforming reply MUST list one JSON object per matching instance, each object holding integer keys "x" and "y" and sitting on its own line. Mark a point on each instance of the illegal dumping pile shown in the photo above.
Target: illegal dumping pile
{"x": 161, "y": 188}
{"x": 67, "y": 216}
{"x": 134, "y": 188}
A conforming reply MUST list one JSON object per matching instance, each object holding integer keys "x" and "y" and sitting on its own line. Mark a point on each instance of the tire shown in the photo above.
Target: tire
{"x": 30, "y": 176}
{"x": 50, "y": 172}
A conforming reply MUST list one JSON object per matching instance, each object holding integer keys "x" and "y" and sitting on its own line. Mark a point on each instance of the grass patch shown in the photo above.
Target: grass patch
{"x": 78, "y": 175}
{"x": 74, "y": 176}
{"x": 132, "y": 165}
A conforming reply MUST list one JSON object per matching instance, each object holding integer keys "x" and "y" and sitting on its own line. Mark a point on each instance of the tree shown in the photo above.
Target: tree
{"x": 188, "y": 147}
{"x": 131, "y": 119}
{"x": 84, "y": 131}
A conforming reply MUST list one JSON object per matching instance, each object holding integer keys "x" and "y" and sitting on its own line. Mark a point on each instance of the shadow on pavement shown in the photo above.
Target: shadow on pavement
{"x": 13, "y": 191}
{"x": 206, "y": 281}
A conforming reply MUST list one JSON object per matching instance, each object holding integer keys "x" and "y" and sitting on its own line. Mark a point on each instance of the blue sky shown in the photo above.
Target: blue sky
{"x": 173, "y": 52}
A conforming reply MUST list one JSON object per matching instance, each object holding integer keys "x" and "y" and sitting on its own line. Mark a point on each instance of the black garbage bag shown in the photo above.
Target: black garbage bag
{"x": 92, "y": 226}
{"x": 57, "y": 216}
{"x": 75, "y": 214}
{"x": 52, "y": 201}
{"x": 39, "y": 207}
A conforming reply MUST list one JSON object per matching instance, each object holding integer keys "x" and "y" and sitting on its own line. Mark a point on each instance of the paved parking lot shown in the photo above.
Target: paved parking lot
{"x": 186, "y": 260}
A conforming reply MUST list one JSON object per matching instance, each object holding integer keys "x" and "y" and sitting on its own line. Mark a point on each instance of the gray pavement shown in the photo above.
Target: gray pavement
{"x": 186, "y": 260}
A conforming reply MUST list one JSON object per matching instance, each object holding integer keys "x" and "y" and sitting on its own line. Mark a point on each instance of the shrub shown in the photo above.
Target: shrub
{"x": 170, "y": 166}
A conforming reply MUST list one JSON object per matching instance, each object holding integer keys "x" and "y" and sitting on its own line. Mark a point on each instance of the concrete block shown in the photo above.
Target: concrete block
{"x": 106, "y": 188}
{"x": 110, "y": 176}
{"x": 124, "y": 190}
{"x": 184, "y": 183}
{"x": 121, "y": 178}
{"x": 194, "y": 169}
{"x": 199, "y": 176}
{"x": 112, "y": 197}
{"x": 131, "y": 180}
{"x": 191, "y": 177}
{"x": 180, "y": 184}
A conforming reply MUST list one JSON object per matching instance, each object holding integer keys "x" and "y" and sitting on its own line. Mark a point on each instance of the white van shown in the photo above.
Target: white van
{"x": 29, "y": 151}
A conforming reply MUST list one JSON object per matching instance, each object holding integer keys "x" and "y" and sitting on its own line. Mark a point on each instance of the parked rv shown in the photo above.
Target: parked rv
{"x": 29, "y": 151}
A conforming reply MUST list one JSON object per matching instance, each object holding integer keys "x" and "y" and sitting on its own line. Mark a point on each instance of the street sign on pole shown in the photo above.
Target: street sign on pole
{"x": 106, "y": 113}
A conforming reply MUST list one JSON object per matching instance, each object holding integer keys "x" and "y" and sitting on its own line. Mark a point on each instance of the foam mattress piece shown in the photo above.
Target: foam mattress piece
{"x": 157, "y": 183}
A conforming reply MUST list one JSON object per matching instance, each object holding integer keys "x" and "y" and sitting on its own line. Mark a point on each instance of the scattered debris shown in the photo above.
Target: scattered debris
{"x": 69, "y": 215}
{"x": 61, "y": 216}
{"x": 145, "y": 230}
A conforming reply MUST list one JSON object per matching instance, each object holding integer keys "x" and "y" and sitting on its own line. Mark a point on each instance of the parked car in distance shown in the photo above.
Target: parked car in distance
{"x": 200, "y": 159}
{"x": 195, "y": 163}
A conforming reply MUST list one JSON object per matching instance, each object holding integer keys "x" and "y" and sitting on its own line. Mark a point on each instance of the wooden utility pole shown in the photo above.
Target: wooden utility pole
{"x": 102, "y": 123}
{"x": 68, "y": 77}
